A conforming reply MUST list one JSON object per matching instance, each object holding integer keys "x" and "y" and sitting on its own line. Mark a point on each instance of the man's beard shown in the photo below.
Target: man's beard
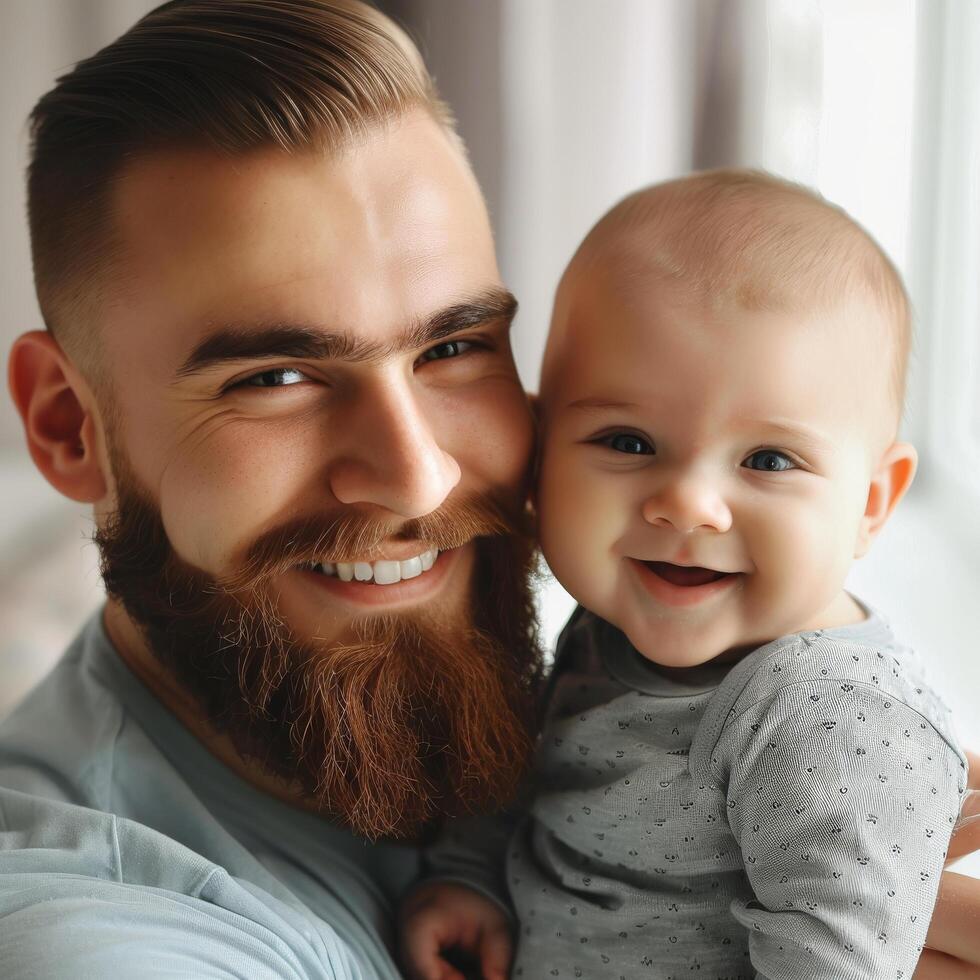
{"x": 411, "y": 717}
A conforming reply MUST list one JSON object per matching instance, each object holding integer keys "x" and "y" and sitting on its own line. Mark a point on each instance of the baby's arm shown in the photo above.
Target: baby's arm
{"x": 842, "y": 799}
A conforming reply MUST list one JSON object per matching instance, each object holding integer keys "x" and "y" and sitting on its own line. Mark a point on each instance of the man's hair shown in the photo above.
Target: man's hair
{"x": 227, "y": 75}
{"x": 758, "y": 242}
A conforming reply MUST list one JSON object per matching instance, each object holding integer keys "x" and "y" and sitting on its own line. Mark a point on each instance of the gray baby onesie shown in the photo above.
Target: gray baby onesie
{"x": 783, "y": 818}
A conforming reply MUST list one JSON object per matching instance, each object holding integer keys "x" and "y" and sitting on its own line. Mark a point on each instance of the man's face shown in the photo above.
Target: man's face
{"x": 312, "y": 377}
{"x": 704, "y": 470}
{"x": 298, "y": 337}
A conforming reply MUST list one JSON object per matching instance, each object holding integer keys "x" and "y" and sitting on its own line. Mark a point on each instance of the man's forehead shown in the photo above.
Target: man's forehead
{"x": 296, "y": 237}
{"x": 199, "y": 191}
{"x": 190, "y": 223}
{"x": 168, "y": 201}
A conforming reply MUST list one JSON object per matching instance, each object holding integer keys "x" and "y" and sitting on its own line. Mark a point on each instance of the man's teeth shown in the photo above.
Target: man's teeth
{"x": 379, "y": 572}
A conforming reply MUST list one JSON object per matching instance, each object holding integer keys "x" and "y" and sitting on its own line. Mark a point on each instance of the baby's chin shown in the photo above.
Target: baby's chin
{"x": 676, "y": 654}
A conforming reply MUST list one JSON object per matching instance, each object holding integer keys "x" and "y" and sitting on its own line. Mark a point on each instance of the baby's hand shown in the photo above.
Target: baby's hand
{"x": 444, "y": 916}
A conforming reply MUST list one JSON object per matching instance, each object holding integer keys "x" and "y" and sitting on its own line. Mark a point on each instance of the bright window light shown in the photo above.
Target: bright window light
{"x": 866, "y": 123}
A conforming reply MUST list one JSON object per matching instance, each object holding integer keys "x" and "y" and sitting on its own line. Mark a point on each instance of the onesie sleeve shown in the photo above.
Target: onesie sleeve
{"x": 472, "y": 851}
{"x": 842, "y": 799}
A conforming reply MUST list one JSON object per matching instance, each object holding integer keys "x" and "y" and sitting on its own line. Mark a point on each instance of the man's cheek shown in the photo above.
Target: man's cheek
{"x": 211, "y": 513}
{"x": 495, "y": 441}
{"x": 254, "y": 473}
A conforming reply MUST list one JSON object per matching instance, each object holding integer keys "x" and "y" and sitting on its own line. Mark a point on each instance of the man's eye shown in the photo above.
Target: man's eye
{"x": 770, "y": 461}
{"x": 624, "y": 442}
{"x": 442, "y": 352}
{"x": 273, "y": 378}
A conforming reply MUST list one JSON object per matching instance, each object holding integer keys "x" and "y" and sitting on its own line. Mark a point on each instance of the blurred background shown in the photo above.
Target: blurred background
{"x": 566, "y": 105}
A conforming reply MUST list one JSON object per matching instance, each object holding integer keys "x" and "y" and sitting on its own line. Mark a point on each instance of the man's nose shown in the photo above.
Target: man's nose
{"x": 391, "y": 456}
{"x": 690, "y": 503}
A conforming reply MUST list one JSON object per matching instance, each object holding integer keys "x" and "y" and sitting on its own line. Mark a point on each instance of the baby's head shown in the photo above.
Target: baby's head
{"x": 720, "y": 397}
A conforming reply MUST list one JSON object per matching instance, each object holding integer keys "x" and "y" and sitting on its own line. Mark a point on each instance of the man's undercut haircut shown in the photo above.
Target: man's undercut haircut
{"x": 755, "y": 241}
{"x": 226, "y": 75}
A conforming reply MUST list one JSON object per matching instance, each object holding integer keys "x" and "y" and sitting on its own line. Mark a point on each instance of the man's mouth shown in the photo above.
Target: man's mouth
{"x": 381, "y": 572}
{"x": 684, "y": 575}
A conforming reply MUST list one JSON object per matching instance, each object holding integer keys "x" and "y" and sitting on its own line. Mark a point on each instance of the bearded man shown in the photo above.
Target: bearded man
{"x": 277, "y": 365}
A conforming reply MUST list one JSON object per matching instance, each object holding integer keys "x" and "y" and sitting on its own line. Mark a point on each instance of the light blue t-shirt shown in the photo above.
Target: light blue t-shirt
{"x": 128, "y": 850}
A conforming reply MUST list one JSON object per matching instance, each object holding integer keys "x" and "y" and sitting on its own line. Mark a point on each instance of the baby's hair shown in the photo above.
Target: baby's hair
{"x": 755, "y": 241}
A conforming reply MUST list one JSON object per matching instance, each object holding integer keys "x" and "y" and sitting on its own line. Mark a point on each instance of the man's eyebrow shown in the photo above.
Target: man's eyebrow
{"x": 244, "y": 343}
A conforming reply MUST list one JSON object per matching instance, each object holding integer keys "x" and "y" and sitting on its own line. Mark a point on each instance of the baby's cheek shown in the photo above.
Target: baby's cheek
{"x": 577, "y": 528}
{"x": 801, "y": 557}
{"x": 559, "y": 507}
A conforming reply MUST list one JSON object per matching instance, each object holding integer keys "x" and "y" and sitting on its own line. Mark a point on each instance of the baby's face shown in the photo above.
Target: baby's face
{"x": 705, "y": 471}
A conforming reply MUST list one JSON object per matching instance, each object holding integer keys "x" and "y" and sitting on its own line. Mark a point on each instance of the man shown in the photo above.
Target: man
{"x": 278, "y": 367}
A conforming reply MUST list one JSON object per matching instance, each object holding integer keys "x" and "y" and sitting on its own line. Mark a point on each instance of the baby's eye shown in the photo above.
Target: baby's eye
{"x": 273, "y": 378}
{"x": 770, "y": 461}
{"x": 625, "y": 442}
{"x": 442, "y": 352}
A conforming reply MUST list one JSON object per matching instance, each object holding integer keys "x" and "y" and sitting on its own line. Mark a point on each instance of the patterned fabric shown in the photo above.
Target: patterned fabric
{"x": 784, "y": 818}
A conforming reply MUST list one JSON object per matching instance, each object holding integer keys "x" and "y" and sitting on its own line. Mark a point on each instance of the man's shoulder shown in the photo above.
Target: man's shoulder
{"x": 85, "y": 892}
{"x": 81, "y": 889}
{"x": 58, "y": 742}
{"x": 74, "y": 767}
{"x": 117, "y": 847}
{"x": 61, "y": 926}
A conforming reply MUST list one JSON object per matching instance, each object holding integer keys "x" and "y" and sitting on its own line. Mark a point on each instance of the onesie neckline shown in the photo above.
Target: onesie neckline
{"x": 631, "y": 668}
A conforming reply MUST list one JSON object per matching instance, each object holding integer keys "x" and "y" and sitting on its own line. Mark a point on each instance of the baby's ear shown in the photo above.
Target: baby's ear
{"x": 890, "y": 480}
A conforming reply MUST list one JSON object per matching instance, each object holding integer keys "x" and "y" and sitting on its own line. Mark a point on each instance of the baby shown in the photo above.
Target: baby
{"x": 740, "y": 773}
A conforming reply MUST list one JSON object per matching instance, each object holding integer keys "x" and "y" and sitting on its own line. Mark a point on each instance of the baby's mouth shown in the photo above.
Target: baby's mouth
{"x": 685, "y": 575}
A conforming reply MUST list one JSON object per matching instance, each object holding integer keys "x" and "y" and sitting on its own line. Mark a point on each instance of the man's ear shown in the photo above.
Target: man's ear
{"x": 890, "y": 480}
{"x": 60, "y": 417}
